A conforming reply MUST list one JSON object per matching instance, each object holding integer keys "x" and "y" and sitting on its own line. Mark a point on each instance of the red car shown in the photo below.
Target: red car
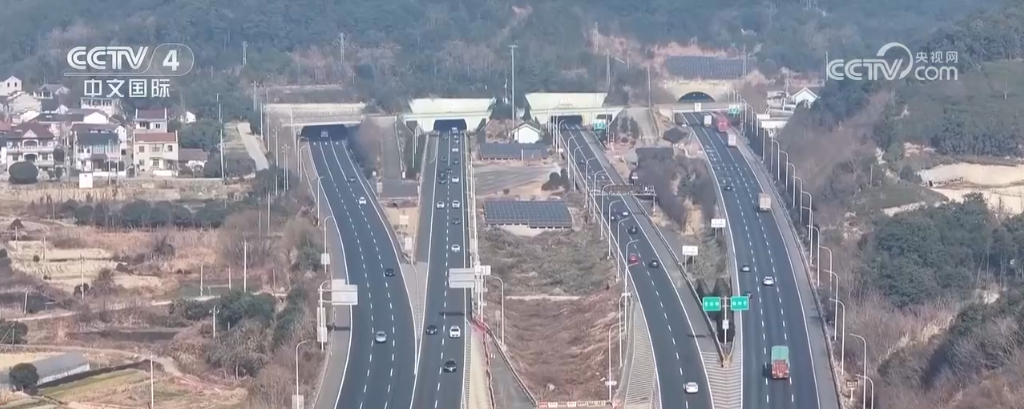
{"x": 633, "y": 258}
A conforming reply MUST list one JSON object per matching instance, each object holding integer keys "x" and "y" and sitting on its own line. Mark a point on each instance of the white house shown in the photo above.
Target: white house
{"x": 526, "y": 133}
{"x": 10, "y": 86}
{"x": 91, "y": 116}
{"x": 51, "y": 91}
{"x": 187, "y": 117}
{"x": 109, "y": 106}
{"x": 804, "y": 97}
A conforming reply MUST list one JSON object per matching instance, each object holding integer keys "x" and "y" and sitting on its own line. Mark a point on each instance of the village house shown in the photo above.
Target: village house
{"x": 156, "y": 153}
{"x": 51, "y": 91}
{"x": 32, "y": 142}
{"x": 109, "y": 106}
{"x": 151, "y": 120}
{"x": 98, "y": 151}
{"x": 192, "y": 158}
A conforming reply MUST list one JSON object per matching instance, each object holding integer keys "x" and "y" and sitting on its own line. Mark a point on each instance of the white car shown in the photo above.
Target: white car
{"x": 691, "y": 387}
{"x": 456, "y": 204}
{"x": 768, "y": 281}
{"x": 455, "y": 332}
{"x": 455, "y": 179}
{"x": 456, "y": 248}
{"x": 440, "y": 205}
{"x": 455, "y": 149}
{"x": 362, "y": 200}
{"x": 380, "y": 337}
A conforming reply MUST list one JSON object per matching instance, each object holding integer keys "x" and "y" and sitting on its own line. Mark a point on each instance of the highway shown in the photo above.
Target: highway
{"x": 776, "y": 315}
{"x": 445, "y": 307}
{"x": 377, "y": 375}
{"x": 676, "y": 344}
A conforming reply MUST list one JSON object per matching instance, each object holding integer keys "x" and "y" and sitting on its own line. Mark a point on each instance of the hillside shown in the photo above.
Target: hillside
{"x": 396, "y": 49}
{"x": 936, "y": 290}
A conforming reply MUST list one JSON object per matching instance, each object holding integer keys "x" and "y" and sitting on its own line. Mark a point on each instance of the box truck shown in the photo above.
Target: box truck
{"x": 722, "y": 123}
{"x": 780, "y": 362}
{"x": 708, "y": 121}
{"x": 764, "y": 202}
{"x": 731, "y": 140}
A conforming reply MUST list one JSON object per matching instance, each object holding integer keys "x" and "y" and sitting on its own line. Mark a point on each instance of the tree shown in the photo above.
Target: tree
{"x": 12, "y": 332}
{"x": 23, "y": 173}
{"x": 24, "y": 376}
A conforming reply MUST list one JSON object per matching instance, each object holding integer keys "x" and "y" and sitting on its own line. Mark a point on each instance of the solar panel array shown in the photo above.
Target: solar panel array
{"x": 513, "y": 151}
{"x": 399, "y": 188}
{"x": 549, "y": 214}
{"x": 705, "y": 68}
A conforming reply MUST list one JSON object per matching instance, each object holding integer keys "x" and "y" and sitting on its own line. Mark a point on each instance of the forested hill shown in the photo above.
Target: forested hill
{"x": 398, "y": 48}
{"x": 978, "y": 114}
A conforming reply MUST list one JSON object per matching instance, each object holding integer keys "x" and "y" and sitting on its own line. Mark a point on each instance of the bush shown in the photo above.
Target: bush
{"x": 24, "y": 377}
{"x": 12, "y": 332}
{"x": 23, "y": 173}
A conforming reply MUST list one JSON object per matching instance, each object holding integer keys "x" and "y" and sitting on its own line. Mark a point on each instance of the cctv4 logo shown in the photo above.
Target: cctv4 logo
{"x": 117, "y": 58}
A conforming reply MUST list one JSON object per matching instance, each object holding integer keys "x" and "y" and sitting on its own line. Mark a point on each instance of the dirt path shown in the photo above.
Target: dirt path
{"x": 66, "y": 314}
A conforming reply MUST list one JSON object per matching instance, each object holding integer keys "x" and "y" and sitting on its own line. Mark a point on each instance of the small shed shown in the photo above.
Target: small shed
{"x": 53, "y": 368}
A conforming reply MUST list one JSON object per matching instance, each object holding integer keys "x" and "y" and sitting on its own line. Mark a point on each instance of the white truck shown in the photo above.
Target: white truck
{"x": 709, "y": 121}
{"x": 730, "y": 140}
{"x": 764, "y": 202}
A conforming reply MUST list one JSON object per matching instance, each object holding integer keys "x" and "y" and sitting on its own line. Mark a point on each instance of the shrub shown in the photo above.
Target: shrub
{"x": 23, "y": 173}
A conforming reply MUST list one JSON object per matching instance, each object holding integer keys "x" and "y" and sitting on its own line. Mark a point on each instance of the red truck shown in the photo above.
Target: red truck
{"x": 721, "y": 123}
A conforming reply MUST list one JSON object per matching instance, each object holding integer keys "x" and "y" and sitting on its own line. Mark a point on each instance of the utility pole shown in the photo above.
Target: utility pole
{"x": 341, "y": 47}
{"x": 245, "y": 52}
{"x": 515, "y": 131}
{"x": 220, "y": 120}
{"x": 245, "y": 266}
{"x": 255, "y": 96}
{"x": 650, "y": 98}
{"x": 608, "y": 72}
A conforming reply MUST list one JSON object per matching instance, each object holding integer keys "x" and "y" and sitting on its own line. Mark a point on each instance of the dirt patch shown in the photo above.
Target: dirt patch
{"x": 527, "y": 191}
{"x": 404, "y": 220}
{"x": 561, "y": 303}
{"x": 975, "y": 174}
{"x": 130, "y": 388}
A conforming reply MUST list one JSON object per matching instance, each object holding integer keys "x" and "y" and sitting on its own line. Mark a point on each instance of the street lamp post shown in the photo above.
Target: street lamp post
{"x": 869, "y": 381}
{"x": 795, "y": 179}
{"x": 833, "y": 276}
{"x": 297, "y": 365}
{"x": 502, "y": 283}
{"x": 320, "y": 187}
{"x": 842, "y": 342}
{"x": 325, "y": 231}
{"x": 609, "y": 381}
{"x": 820, "y": 247}
{"x": 781, "y": 168}
{"x": 864, "y": 371}
{"x": 790, "y": 174}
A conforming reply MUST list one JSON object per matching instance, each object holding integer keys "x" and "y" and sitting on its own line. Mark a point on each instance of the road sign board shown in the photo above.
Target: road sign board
{"x": 717, "y": 223}
{"x": 690, "y": 251}
{"x": 739, "y": 303}
{"x": 600, "y": 125}
{"x": 711, "y": 304}
{"x": 697, "y": 107}
{"x": 621, "y": 189}
{"x": 462, "y": 278}
{"x": 325, "y": 259}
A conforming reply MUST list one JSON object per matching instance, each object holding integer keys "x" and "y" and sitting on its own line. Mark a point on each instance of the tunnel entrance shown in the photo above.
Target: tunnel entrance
{"x": 326, "y": 132}
{"x": 567, "y": 120}
{"x": 696, "y": 96}
{"x": 446, "y": 125}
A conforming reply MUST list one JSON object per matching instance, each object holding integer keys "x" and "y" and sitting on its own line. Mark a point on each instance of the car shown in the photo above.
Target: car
{"x": 352, "y": 179}
{"x": 614, "y": 217}
{"x": 746, "y": 293}
{"x": 324, "y": 134}
{"x": 389, "y": 272}
{"x": 624, "y": 214}
{"x": 440, "y": 205}
{"x": 633, "y": 230}
{"x": 444, "y": 159}
{"x": 455, "y": 179}
{"x": 727, "y": 188}
{"x": 745, "y": 268}
{"x": 456, "y": 221}
{"x": 380, "y": 337}
{"x": 450, "y": 366}
{"x": 691, "y": 387}
{"x": 455, "y": 149}
{"x": 362, "y": 200}
{"x": 456, "y": 204}
{"x": 455, "y": 332}
{"x": 442, "y": 175}
{"x": 456, "y": 248}
{"x": 442, "y": 181}
{"x": 653, "y": 264}
{"x": 455, "y": 161}
{"x": 431, "y": 329}
{"x": 633, "y": 258}
{"x": 768, "y": 281}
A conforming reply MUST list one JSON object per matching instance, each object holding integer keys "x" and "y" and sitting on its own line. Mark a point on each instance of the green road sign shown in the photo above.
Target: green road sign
{"x": 739, "y": 303}
{"x": 712, "y": 304}
{"x": 600, "y": 125}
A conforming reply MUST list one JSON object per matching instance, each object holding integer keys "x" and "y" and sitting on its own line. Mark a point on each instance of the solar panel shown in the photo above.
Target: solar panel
{"x": 513, "y": 151}
{"x": 549, "y": 214}
{"x": 706, "y": 68}
{"x": 399, "y": 188}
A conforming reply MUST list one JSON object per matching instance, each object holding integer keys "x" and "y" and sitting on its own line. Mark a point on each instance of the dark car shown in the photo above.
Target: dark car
{"x": 456, "y": 220}
{"x": 442, "y": 181}
{"x": 444, "y": 159}
{"x": 352, "y": 179}
{"x": 654, "y": 264}
{"x": 455, "y": 161}
{"x": 389, "y": 272}
{"x": 431, "y": 329}
{"x": 450, "y": 366}
{"x": 633, "y": 230}
{"x": 727, "y": 188}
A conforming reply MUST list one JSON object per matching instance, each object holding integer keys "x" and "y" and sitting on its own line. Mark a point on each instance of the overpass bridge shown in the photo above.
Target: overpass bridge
{"x": 303, "y": 115}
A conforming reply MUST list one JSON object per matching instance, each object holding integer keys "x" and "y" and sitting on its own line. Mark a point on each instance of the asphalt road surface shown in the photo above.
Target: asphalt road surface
{"x": 676, "y": 352}
{"x": 446, "y": 308}
{"x": 378, "y": 375}
{"x": 776, "y": 316}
